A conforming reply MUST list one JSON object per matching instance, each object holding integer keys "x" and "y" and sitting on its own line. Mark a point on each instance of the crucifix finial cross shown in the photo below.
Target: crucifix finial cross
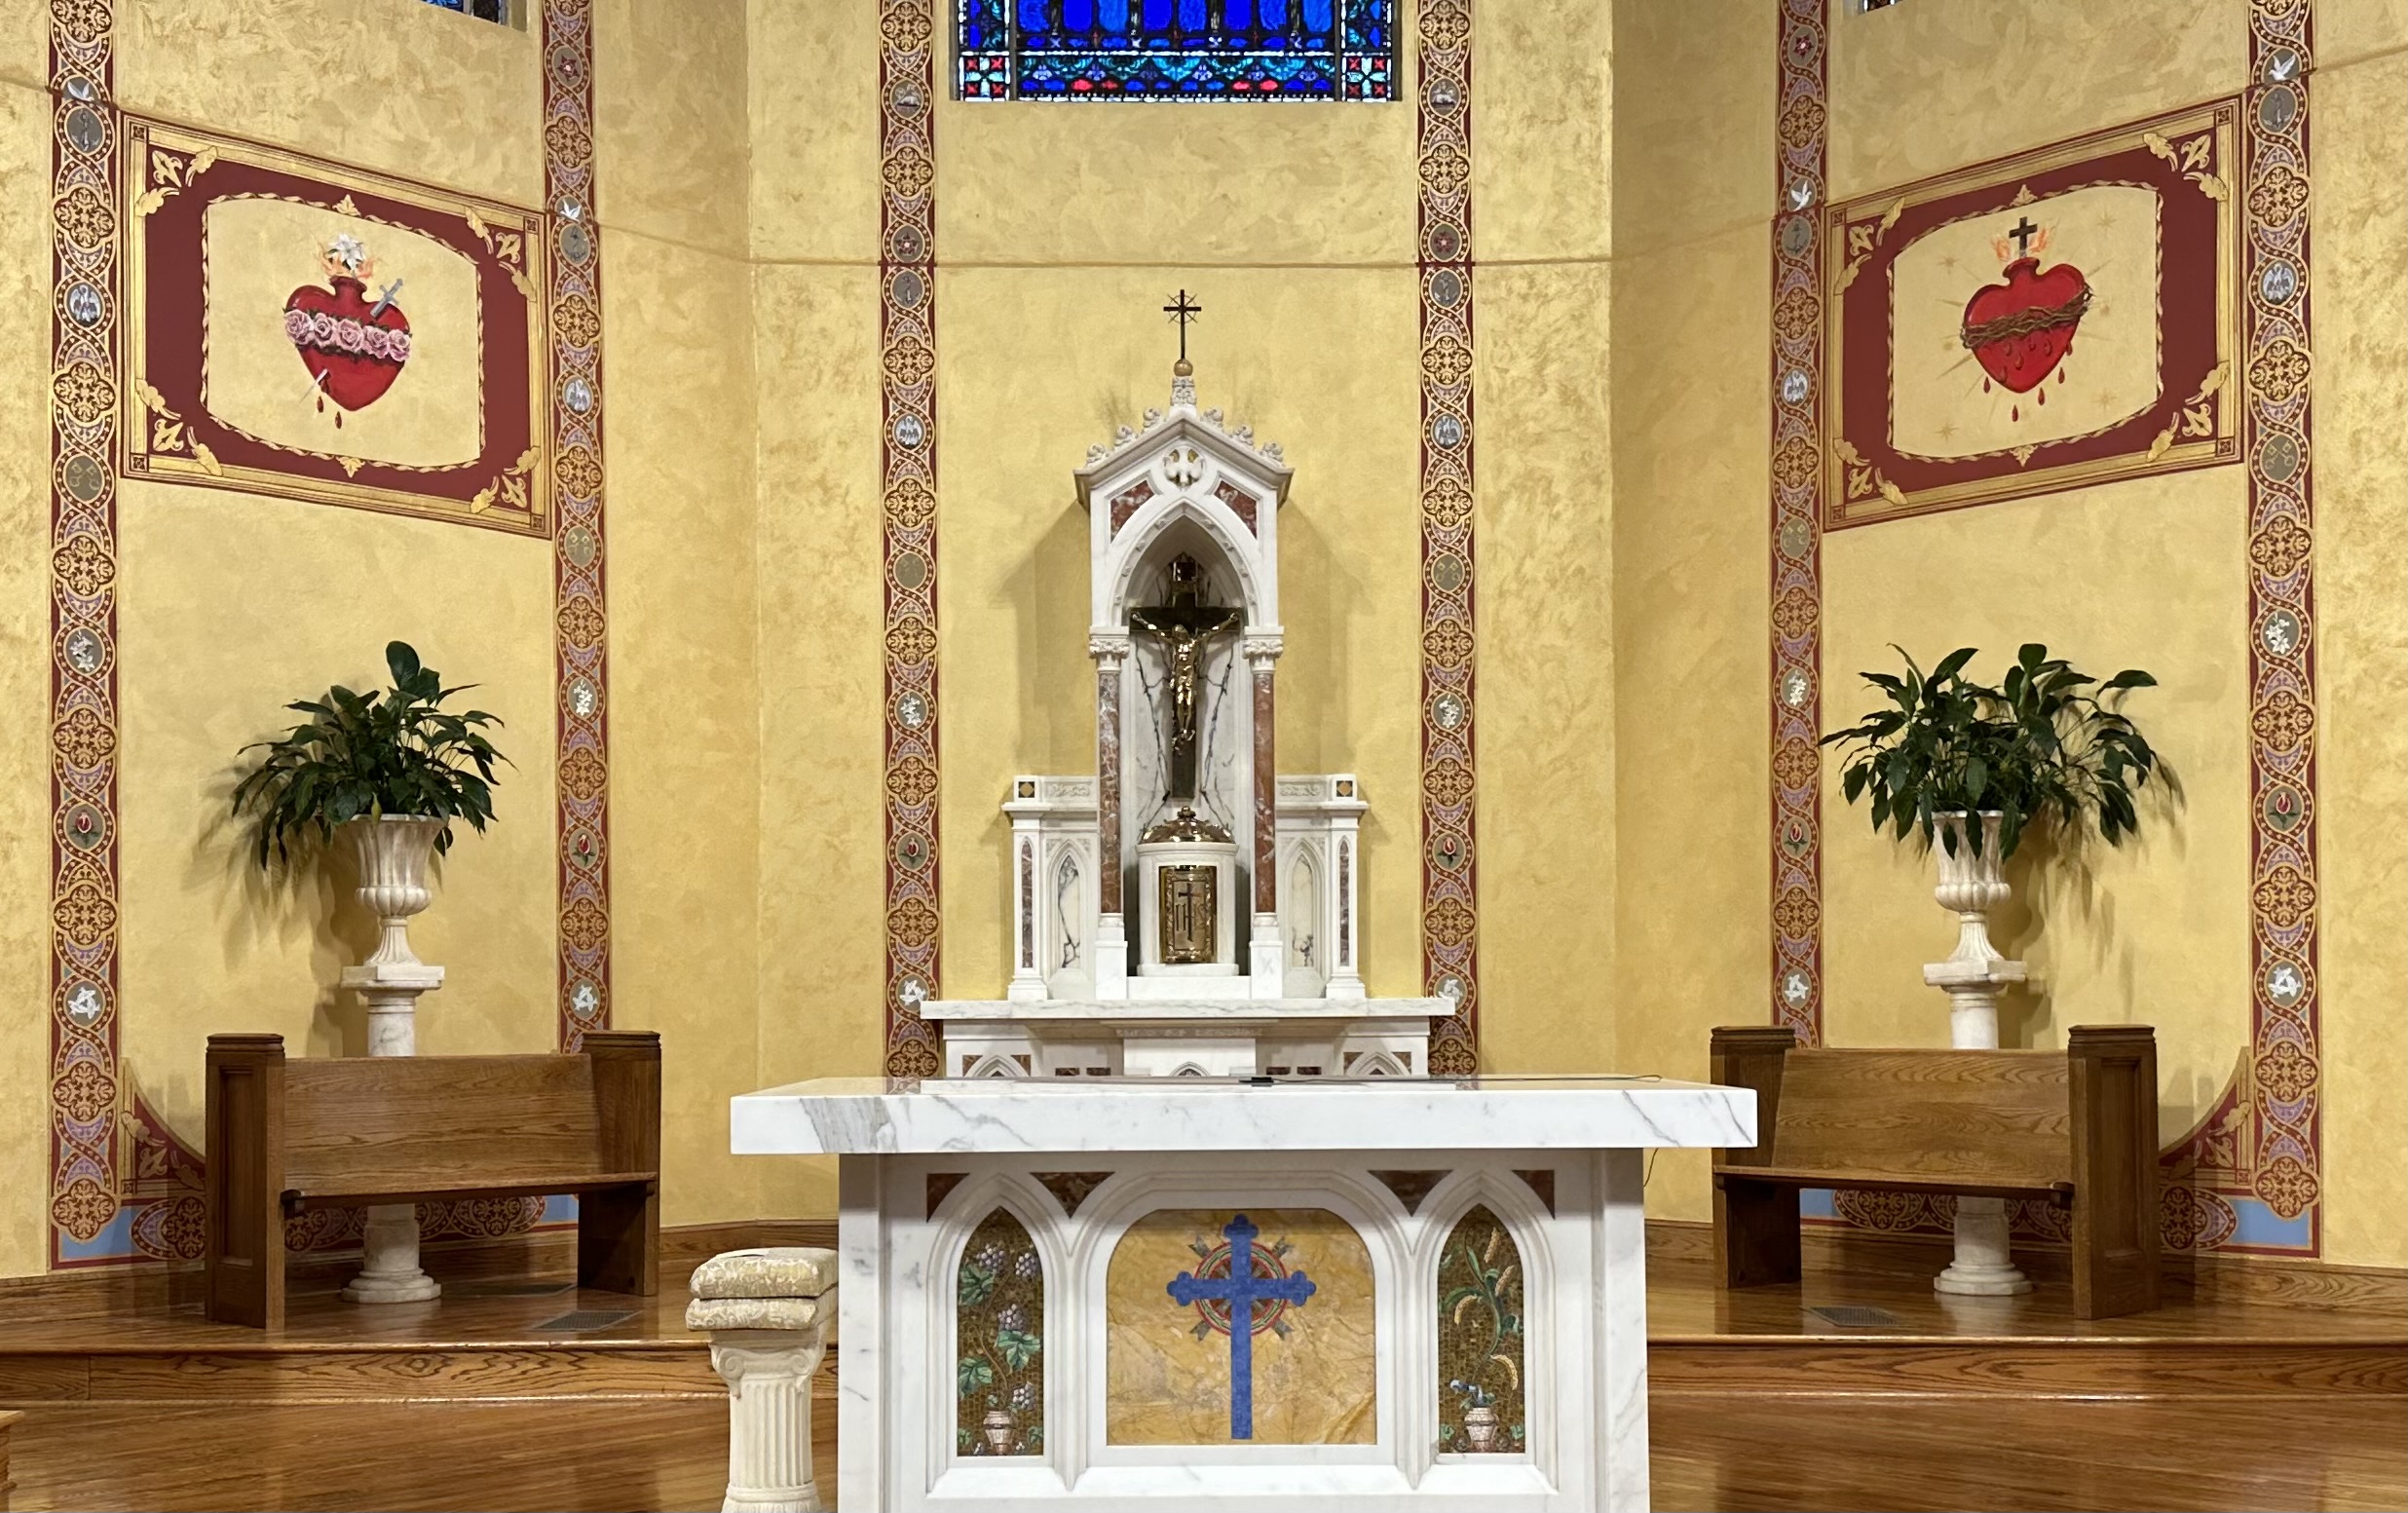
{"x": 2023, "y": 233}
{"x": 1183, "y": 310}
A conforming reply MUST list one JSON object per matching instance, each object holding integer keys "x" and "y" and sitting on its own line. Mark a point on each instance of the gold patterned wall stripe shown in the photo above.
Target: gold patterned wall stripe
{"x": 906, "y": 344}
{"x": 580, "y": 613}
{"x": 84, "y": 1094}
{"x": 1450, "y": 896}
{"x": 1799, "y": 156}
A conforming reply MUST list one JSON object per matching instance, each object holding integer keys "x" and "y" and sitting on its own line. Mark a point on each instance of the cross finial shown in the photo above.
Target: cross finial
{"x": 2023, "y": 233}
{"x": 1183, "y": 310}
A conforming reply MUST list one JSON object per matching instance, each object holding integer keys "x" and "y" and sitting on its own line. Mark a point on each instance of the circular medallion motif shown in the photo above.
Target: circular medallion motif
{"x": 1447, "y": 432}
{"x": 2284, "y": 807}
{"x": 2281, "y": 633}
{"x": 578, "y": 395}
{"x": 1446, "y": 572}
{"x": 1801, "y": 193}
{"x": 584, "y": 701}
{"x": 583, "y": 999}
{"x": 85, "y": 828}
{"x": 585, "y": 850}
{"x": 1442, "y": 95}
{"x": 909, "y": 289}
{"x": 1798, "y": 235}
{"x": 85, "y": 130}
{"x": 912, "y": 711}
{"x": 578, "y": 544}
{"x": 911, "y": 853}
{"x": 577, "y": 244}
{"x": 1795, "y": 990}
{"x": 908, "y": 100}
{"x": 2279, "y": 283}
{"x": 908, "y": 243}
{"x": 2281, "y": 63}
{"x": 1794, "y": 688}
{"x": 1268, "y": 1262}
{"x": 2285, "y": 984}
{"x": 83, "y": 305}
{"x": 913, "y": 991}
{"x": 2278, "y": 458}
{"x": 2279, "y": 108}
{"x": 1448, "y": 711}
{"x": 1795, "y": 386}
{"x": 1445, "y": 288}
{"x": 570, "y": 209}
{"x": 86, "y": 1003}
{"x": 1446, "y": 244}
{"x": 78, "y": 87}
{"x": 911, "y": 569}
{"x": 909, "y": 431}
{"x": 1797, "y": 536}
{"x": 84, "y": 652}
{"x": 1450, "y": 989}
{"x": 84, "y": 479}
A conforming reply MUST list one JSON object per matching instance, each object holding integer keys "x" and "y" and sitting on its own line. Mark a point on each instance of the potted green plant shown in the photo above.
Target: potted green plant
{"x": 385, "y": 774}
{"x": 2047, "y": 745}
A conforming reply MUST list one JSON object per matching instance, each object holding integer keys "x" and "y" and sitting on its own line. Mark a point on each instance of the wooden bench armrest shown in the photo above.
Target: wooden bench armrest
{"x": 530, "y": 1185}
{"x": 2060, "y": 1194}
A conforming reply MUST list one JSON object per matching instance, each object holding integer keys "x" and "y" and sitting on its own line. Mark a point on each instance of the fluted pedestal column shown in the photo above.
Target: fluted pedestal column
{"x": 1976, "y": 977}
{"x": 767, "y": 1348}
{"x": 392, "y": 852}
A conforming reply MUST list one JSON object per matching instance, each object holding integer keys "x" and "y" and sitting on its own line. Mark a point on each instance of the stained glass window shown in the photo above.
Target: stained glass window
{"x": 483, "y": 10}
{"x": 1176, "y": 49}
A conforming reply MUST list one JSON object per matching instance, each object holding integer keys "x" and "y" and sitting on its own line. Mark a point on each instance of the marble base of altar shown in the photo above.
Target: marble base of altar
{"x": 1190, "y": 1295}
{"x": 1145, "y": 1035}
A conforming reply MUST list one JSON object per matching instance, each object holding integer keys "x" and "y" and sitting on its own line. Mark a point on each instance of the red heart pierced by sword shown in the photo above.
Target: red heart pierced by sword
{"x": 352, "y": 348}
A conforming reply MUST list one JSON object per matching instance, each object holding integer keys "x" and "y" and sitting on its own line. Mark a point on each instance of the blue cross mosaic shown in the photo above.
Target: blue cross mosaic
{"x": 1241, "y": 1290}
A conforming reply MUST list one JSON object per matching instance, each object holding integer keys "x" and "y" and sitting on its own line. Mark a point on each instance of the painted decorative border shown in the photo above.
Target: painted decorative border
{"x": 906, "y": 344}
{"x": 2186, "y": 159}
{"x": 2248, "y": 1178}
{"x": 84, "y": 1094}
{"x": 1797, "y": 379}
{"x": 178, "y": 175}
{"x": 1449, "y": 896}
{"x": 580, "y": 606}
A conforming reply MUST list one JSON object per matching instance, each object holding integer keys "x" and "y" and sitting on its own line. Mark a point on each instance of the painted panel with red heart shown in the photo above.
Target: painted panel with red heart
{"x": 352, "y": 346}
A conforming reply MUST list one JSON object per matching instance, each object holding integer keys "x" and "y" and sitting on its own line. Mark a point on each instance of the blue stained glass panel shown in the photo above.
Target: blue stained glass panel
{"x": 1175, "y": 50}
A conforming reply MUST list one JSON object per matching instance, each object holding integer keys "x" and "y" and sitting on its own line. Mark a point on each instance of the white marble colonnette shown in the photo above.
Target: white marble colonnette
{"x": 1191, "y": 1145}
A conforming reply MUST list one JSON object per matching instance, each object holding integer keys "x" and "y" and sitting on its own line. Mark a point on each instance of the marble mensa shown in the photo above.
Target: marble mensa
{"x": 1189, "y": 1294}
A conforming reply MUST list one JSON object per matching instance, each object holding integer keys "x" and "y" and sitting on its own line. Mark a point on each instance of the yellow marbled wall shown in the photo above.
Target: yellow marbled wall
{"x": 1166, "y": 1370}
{"x": 1693, "y": 117}
{"x": 25, "y": 624}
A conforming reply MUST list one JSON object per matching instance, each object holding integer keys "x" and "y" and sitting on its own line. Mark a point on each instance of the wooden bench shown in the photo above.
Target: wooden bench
{"x": 288, "y": 1136}
{"x": 2076, "y": 1128}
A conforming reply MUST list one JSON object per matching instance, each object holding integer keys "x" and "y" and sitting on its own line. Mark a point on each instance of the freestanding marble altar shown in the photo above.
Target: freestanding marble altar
{"x": 1208, "y": 1293}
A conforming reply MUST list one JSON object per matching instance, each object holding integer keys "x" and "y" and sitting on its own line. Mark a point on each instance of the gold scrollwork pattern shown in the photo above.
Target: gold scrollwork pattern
{"x": 85, "y": 1096}
{"x": 2263, "y": 1146}
{"x": 1795, "y": 616}
{"x": 581, "y": 608}
{"x": 907, "y": 346}
{"x": 1450, "y": 899}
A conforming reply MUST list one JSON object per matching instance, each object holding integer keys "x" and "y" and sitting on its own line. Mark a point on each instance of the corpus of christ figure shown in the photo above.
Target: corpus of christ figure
{"x": 1184, "y": 623}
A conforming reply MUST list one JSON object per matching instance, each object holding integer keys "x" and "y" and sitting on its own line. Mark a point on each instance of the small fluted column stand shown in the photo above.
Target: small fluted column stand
{"x": 767, "y": 1313}
{"x": 393, "y": 852}
{"x": 1975, "y": 975}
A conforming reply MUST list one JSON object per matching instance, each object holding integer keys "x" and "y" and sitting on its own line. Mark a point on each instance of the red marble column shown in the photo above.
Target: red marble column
{"x": 1265, "y": 794}
{"x": 1108, "y": 780}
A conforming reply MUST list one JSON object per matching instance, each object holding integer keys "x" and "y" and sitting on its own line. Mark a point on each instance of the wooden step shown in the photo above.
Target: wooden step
{"x": 2106, "y": 1368}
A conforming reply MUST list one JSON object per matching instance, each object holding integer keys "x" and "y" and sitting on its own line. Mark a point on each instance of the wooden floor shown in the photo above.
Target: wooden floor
{"x": 1732, "y": 1453}
{"x": 531, "y": 1394}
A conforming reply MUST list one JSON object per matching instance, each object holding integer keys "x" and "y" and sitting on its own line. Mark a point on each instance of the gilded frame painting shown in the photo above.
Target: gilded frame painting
{"x": 2047, "y": 322}
{"x": 300, "y": 328}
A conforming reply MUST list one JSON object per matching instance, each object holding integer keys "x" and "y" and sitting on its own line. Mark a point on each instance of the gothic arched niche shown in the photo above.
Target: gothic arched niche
{"x": 1000, "y": 1334}
{"x": 1482, "y": 1409}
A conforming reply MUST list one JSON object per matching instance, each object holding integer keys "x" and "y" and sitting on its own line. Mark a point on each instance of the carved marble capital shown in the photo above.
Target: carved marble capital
{"x": 1262, "y": 650}
{"x": 1108, "y": 650}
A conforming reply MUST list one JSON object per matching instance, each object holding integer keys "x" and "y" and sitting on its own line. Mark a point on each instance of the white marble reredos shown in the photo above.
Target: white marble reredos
{"x": 1169, "y": 1011}
{"x": 868, "y": 1116}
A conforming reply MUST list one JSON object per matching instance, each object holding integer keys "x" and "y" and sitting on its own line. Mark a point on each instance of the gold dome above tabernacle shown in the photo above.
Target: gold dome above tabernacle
{"x": 1185, "y": 826}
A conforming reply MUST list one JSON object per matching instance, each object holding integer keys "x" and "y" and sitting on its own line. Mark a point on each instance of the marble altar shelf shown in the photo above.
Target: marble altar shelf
{"x": 881, "y": 1117}
{"x": 1302, "y": 1296}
